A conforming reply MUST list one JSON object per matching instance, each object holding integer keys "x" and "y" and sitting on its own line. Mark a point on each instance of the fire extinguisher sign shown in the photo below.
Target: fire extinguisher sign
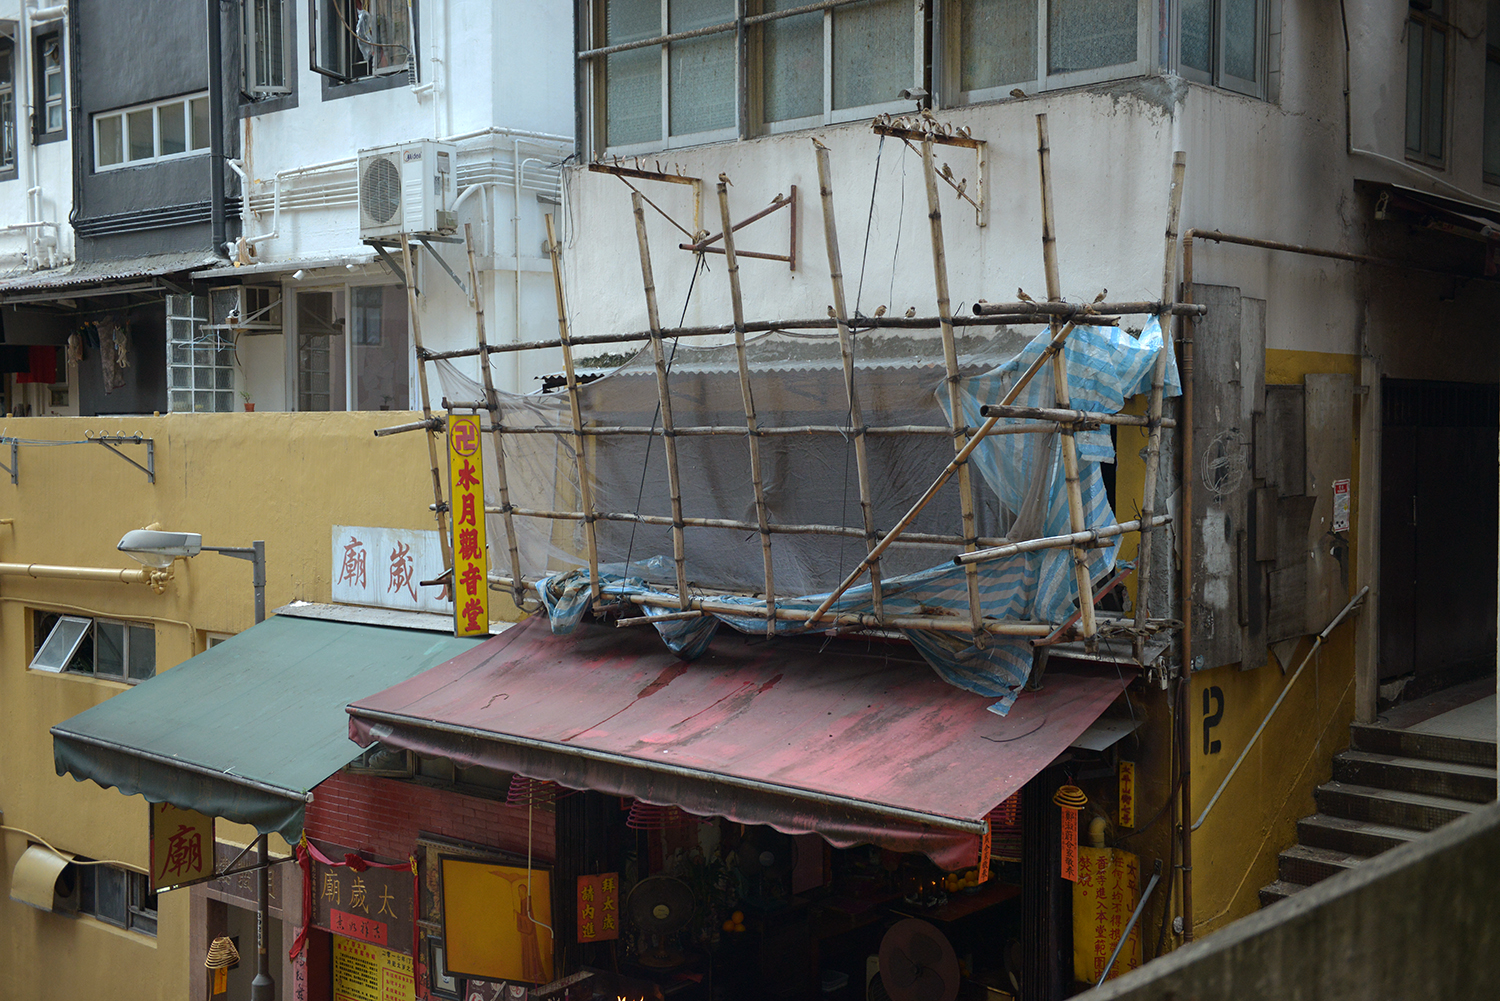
{"x": 1341, "y": 505}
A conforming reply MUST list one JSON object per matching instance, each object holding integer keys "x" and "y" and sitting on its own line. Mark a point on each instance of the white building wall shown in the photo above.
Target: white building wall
{"x": 42, "y": 190}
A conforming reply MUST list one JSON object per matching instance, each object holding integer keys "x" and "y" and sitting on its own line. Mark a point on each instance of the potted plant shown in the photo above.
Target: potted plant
{"x": 249, "y": 403}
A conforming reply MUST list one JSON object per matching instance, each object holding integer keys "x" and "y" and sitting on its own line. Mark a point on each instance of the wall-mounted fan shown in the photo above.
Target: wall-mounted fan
{"x": 660, "y": 907}
{"x": 917, "y": 963}
{"x": 765, "y": 860}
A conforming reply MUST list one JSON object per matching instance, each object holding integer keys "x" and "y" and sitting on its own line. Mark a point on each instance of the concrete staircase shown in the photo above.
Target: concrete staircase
{"x": 1389, "y": 787}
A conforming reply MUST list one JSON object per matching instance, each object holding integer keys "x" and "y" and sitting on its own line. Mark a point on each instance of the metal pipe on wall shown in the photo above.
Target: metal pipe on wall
{"x": 216, "y": 127}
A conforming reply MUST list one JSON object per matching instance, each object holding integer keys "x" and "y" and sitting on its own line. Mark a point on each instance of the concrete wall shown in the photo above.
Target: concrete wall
{"x": 1421, "y": 920}
{"x": 47, "y": 166}
{"x": 234, "y": 478}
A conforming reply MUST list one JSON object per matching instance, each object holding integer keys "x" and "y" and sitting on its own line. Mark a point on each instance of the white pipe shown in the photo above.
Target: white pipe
{"x": 41, "y": 15}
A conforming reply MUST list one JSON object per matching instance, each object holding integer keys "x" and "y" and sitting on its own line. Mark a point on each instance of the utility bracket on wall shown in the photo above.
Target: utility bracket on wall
{"x": 109, "y": 441}
{"x": 926, "y": 128}
{"x": 779, "y": 202}
{"x": 624, "y": 173}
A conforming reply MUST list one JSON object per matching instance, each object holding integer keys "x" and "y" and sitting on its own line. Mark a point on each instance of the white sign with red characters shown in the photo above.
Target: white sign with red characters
{"x": 382, "y": 567}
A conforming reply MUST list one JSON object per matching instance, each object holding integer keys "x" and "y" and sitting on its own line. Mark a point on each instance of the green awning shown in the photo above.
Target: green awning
{"x": 246, "y": 729}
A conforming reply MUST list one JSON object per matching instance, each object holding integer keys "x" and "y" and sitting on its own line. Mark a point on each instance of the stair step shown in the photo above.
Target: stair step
{"x": 1357, "y": 837}
{"x": 1278, "y": 890}
{"x": 1307, "y": 865}
{"x": 1390, "y": 806}
{"x": 1429, "y": 746}
{"x": 1434, "y": 778}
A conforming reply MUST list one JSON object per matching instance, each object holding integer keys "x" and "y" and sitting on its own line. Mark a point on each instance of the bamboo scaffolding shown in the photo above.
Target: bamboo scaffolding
{"x": 439, "y": 505}
{"x": 1070, "y": 416}
{"x": 1076, "y": 514}
{"x": 1072, "y": 540}
{"x": 842, "y": 531}
{"x": 1070, "y": 310}
{"x": 1153, "y": 416}
{"x": 846, "y": 349}
{"x": 494, "y": 406}
{"x": 765, "y": 432}
{"x": 580, "y": 452}
{"x": 663, "y": 392}
{"x": 955, "y": 399}
{"x": 737, "y": 302}
{"x": 984, "y": 430}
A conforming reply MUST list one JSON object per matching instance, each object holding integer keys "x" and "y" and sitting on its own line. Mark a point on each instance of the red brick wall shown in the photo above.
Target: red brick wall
{"x": 382, "y": 817}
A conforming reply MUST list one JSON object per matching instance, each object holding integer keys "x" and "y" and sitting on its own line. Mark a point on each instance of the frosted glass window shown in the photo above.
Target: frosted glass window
{"x": 998, "y": 43}
{"x": 1197, "y": 32}
{"x": 1241, "y": 34}
{"x": 172, "y": 127}
{"x": 702, "y": 69}
{"x": 142, "y": 136}
{"x": 873, "y": 46}
{"x": 199, "y": 106}
{"x": 110, "y": 141}
{"x": 632, "y": 79}
{"x": 1426, "y": 82}
{"x": 61, "y": 643}
{"x": 792, "y": 70}
{"x": 1090, "y": 34}
{"x": 141, "y": 663}
{"x": 109, "y": 650}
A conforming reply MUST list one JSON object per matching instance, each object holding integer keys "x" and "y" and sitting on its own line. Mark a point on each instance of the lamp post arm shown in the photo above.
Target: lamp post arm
{"x": 256, "y": 554}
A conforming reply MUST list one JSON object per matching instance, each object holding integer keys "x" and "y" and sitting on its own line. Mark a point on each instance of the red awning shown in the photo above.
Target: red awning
{"x": 859, "y": 742}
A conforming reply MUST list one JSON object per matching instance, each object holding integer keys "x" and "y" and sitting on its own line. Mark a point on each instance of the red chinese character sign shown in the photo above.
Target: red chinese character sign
{"x": 598, "y": 907}
{"x": 384, "y": 567}
{"x": 182, "y": 847}
{"x": 471, "y": 593}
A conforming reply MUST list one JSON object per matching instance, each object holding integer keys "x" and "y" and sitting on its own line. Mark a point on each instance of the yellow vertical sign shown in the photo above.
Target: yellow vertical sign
{"x": 182, "y": 846}
{"x": 1127, "y": 794}
{"x": 471, "y": 594}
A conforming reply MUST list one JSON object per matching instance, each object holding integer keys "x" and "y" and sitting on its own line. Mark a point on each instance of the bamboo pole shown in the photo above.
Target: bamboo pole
{"x": 1055, "y": 416}
{"x": 1154, "y": 418}
{"x": 1046, "y": 426}
{"x": 841, "y": 531}
{"x": 846, "y": 349}
{"x": 955, "y": 399}
{"x": 663, "y": 392}
{"x": 747, "y": 397}
{"x": 1084, "y": 538}
{"x": 494, "y": 404}
{"x": 440, "y": 506}
{"x": 984, "y": 430}
{"x": 1060, "y": 387}
{"x": 580, "y": 451}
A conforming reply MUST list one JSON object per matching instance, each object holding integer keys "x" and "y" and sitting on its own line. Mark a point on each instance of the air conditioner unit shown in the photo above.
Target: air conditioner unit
{"x": 408, "y": 188}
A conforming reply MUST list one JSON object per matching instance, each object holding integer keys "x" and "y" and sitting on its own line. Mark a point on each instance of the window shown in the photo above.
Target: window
{"x": 7, "y": 106}
{"x": 359, "y": 39}
{"x": 268, "y": 40}
{"x": 200, "y": 362}
{"x": 1426, "y": 80}
{"x": 151, "y": 133}
{"x": 51, "y": 120}
{"x": 995, "y": 46}
{"x": 366, "y": 368}
{"x": 105, "y": 648}
{"x": 116, "y": 896}
{"x": 1492, "y": 95}
{"x": 1221, "y": 42}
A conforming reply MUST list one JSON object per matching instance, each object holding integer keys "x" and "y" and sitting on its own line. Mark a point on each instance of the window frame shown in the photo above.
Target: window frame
{"x": 1044, "y": 80}
{"x": 1217, "y": 76}
{"x": 337, "y": 82}
{"x": 138, "y": 914}
{"x": 154, "y": 107}
{"x": 10, "y": 137}
{"x": 40, "y": 39}
{"x": 1430, "y": 22}
{"x": 127, "y": 674}
{"x": 250, "y": 34}
{"x": 223, "y": 398}
{"x": 292, "y": 327}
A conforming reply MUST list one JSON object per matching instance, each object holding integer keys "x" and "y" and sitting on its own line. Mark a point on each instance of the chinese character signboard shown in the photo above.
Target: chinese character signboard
{"x": 381, "y": 567}
{"x": 1069, "y": 844}
{"x": 1127, "y": 793}
{"x": 182, "y": 847}
{"x": 1103, "y": 899}
{"x": 240, "y": 884}
{"x": 471, "y": 593}
{"x": 374, "y": 906}
{"x": 598, "y": 907}
{"x": 364, "y": 972}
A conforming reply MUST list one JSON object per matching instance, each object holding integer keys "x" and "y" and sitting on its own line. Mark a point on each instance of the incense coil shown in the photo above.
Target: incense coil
{"x": 221, "y": 954}
{"x": 1070, "y": 797}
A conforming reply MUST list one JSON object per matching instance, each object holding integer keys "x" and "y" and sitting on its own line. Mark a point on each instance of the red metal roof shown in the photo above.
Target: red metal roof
{"x": 858, "y": 741}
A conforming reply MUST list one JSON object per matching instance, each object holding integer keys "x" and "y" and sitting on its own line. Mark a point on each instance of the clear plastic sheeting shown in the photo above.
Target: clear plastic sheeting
{"x": 810, "y": 482}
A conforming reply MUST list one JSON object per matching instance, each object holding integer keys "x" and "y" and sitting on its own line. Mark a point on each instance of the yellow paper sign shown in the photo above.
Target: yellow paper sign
{"x": 1103, "y": 899}
{"x": 497, "y": 921}
{"x": 221, "y": 980}
{"x": 1127, "y": 794}
{"x": 364, "y": 972}
{"x": 182, "y": 846}
{"x": 471, "y": 593}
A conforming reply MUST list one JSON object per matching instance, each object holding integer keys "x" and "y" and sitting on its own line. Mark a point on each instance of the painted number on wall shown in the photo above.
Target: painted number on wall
{"x": 1213, "y": 712}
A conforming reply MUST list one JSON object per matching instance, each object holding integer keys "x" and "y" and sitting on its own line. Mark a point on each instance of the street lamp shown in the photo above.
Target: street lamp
{"x": 159, "y": 549}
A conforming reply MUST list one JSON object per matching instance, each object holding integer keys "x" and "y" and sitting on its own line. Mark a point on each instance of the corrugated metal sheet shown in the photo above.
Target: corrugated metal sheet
{"x": 859, "y": 742}
{"x": 98, "y": 272}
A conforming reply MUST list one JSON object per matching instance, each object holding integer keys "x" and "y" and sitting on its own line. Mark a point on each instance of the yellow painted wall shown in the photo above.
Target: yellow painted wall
{"x": 235, "y": 478}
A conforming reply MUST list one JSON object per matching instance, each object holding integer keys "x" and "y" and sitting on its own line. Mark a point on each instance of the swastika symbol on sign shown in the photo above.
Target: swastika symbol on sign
{"x": 465, "y": 436}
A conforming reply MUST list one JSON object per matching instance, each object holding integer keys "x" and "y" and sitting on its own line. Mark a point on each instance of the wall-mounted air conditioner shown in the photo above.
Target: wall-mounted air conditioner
{"x": 408, "y": 188}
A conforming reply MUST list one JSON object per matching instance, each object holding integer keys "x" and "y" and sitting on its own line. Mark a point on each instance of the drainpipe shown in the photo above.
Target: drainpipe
{"x": 44, "y": 570}
{"x": 216, "y": 127}
{"x": 1184, "y": 683}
